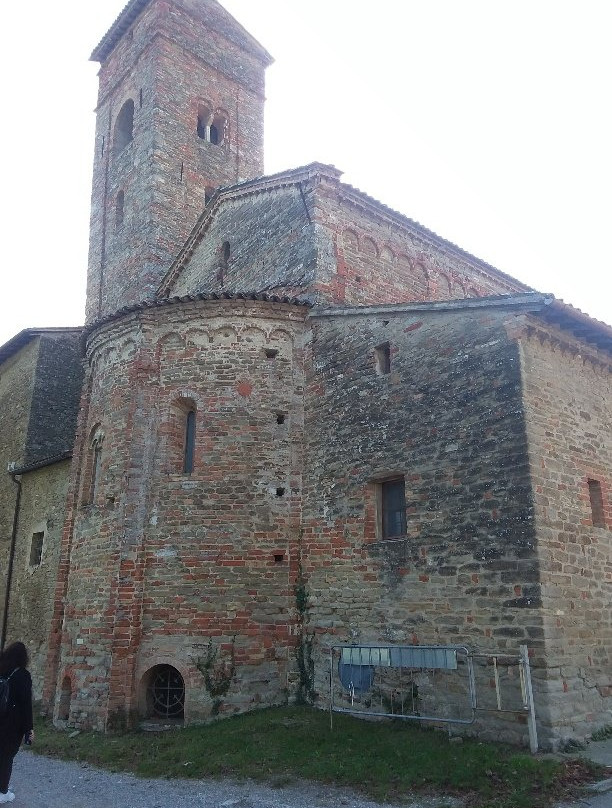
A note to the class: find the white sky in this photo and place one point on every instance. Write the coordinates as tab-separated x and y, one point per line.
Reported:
488	121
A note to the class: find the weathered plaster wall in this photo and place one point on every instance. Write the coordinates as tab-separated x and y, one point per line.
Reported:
448	418
164	563
568	404
16	385
43	505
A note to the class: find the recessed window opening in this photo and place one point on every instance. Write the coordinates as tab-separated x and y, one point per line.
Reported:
271	353
213	134
281	417
95	473
165	693
393	508
597	505
36	548
189	451
119	208
202	127
226	250
140	98
382	358
280	492
278	558
124	125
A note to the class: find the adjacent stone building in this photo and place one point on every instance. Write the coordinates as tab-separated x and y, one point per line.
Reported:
303	420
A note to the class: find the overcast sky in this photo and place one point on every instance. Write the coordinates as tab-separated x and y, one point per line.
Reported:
486	120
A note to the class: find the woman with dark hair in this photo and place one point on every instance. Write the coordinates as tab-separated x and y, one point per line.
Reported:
16	725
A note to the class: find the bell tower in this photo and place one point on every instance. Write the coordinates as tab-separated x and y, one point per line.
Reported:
180	113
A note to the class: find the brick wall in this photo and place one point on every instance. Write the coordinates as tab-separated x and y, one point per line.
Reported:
162	563
568	415
176	59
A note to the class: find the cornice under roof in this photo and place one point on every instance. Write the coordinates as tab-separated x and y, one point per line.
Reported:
135	8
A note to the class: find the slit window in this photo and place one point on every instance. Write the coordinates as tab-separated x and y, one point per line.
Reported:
393	508
36	549
189	451
119	209
95	471
382	359
597	505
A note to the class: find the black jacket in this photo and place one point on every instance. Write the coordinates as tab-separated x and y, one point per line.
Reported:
18	722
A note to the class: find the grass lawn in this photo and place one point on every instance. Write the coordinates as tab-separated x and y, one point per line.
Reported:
384	760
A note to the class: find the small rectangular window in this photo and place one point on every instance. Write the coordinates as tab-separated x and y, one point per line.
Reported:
382	358
597	506
36	549
393	508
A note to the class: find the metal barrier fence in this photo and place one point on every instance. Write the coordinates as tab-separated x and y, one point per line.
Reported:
445	684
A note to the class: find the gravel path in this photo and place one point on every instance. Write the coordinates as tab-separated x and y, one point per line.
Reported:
40	782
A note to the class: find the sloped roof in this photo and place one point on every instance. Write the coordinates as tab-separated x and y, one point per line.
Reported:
134	9
544	306
21	339
204	296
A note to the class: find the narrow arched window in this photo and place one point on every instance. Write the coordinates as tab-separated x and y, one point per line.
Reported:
93	468
188	454
124	125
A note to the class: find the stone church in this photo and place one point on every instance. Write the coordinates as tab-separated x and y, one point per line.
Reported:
294	418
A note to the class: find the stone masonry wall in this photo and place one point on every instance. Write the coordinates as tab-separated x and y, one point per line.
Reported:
43	506
168	567
568	404
272	246
169	64
55	398
448	419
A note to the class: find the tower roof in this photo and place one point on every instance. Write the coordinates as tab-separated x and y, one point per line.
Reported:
134	8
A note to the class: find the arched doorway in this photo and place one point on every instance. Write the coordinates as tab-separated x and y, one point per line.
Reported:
165	693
